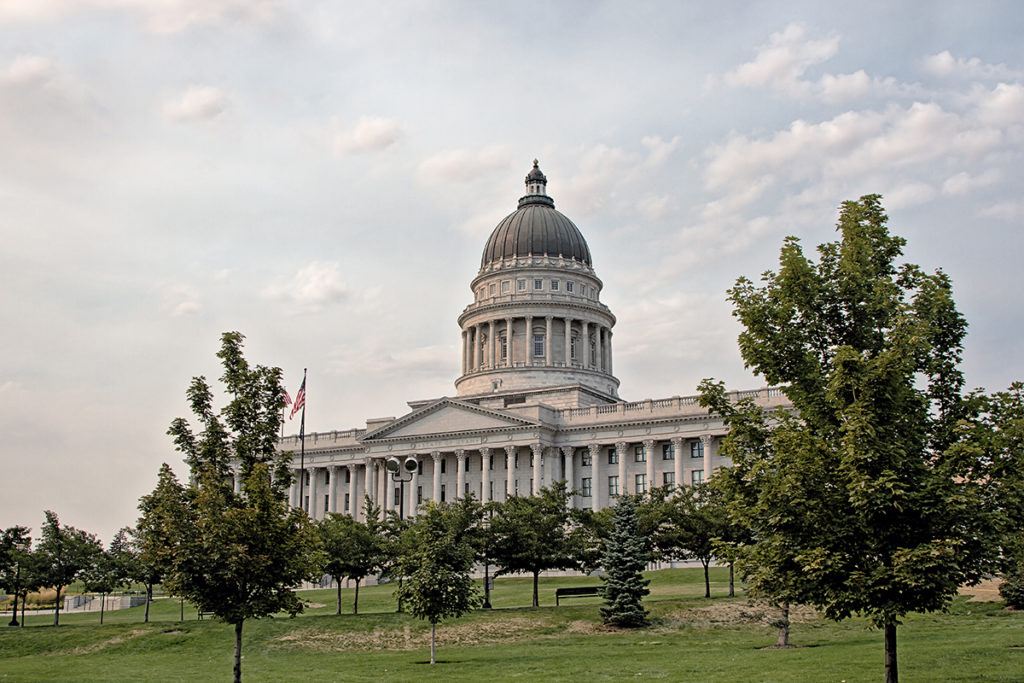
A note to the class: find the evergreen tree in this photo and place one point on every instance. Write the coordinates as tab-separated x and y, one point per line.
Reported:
624	560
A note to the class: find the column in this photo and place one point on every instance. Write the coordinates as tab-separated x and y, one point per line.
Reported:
314	491
460	475
569	453
708	441
389	490
568	342
677	464
649	449
353	504
414	484
595	479
548	360
538	450
476	347
332	490
585	338
508	342
236	481
529	340
622	450
369	482
510	471
485	473
491	341
600	357
465	350
608	365
436	493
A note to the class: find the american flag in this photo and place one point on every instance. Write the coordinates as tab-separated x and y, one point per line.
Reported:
287	397
300	399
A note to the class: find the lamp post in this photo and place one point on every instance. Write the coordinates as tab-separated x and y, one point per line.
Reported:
401	472
487	559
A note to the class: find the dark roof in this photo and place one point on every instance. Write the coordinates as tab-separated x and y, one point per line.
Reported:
537	229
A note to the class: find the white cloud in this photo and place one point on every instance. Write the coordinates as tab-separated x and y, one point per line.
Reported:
10	386
659	150
158	16
313	287
29	70
181	300
369	134
944	64
654	207
963	182
197	103
465	165
781	63
909	194
1003	105
1012	210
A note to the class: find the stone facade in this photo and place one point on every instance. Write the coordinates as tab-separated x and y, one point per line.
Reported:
537	401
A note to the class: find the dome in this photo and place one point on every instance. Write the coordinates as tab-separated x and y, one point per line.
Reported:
536	229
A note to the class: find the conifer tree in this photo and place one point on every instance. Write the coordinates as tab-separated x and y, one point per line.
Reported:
625	557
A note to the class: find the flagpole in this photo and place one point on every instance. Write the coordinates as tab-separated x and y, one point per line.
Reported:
302	449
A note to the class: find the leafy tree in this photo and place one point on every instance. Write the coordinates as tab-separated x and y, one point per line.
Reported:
155	538
64	554
533	534
857	490
625	557
351	549
241	555
436	565
108	570
15	548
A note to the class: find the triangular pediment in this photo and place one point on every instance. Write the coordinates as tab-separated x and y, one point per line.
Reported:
447	416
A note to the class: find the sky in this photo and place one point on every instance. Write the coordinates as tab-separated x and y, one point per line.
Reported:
322	177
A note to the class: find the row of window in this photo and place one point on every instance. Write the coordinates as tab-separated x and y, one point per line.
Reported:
524	285
538	347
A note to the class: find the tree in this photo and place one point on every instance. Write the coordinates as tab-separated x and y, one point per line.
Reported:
533	534
108	570
64	554
351	549
436	565
857	488
155	538
239	555
15	547
625	557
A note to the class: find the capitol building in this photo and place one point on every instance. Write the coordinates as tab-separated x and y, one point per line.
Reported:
537	401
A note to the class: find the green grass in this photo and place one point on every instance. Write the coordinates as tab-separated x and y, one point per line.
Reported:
692	639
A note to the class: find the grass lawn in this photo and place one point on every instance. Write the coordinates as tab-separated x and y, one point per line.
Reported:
693	639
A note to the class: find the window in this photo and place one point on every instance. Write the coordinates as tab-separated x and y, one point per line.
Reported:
506	286
516	488
442	493
613	457
593	352
444	467
583	290
503	343
538	284
466	492
641	484
419	495
348	502
465	464
668	479
490	462
668	452
348	476
493	289
419	467
639	454
327	477
515	461
490	491
696	449
613	486
305	503
697	476
327	500
573	347
585	457
568	286
398	495
481	293
538	345
585	487
554	285
520	285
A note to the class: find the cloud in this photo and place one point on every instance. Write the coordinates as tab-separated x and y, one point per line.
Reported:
781	63
29	70
963	183
465	165
944	64
1012	210
197	103
181	300
157	16
909	194
313	287
1003	105
369	134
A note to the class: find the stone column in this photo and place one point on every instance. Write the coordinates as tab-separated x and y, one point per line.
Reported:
314	491
491	341
460	475
389	491
485	473
568	342
649	445
538	450
236	481
369	481
548	360
508	342
585	338
414	484
600	348
436	493
510	471
708	442
595	479
353	504
529	340
611	368
569	453
332	488
293	491
465	351
622	450
677	464
476	347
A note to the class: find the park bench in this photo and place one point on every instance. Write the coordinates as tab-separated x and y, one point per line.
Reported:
577	592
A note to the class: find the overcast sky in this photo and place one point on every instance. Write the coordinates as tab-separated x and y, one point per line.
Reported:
322	176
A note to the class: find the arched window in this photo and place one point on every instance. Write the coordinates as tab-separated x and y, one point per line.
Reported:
574	347
503	342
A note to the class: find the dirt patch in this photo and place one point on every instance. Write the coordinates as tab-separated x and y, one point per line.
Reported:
315	605
109	642
738	613
986	591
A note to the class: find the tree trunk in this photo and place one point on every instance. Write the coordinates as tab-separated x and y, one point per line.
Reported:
24	601
707	579
149	599
355	601
536	580
56	608
181	615
433	643
14	612
337	582
783	640
732	581
892	674
399	593
103	605
238	652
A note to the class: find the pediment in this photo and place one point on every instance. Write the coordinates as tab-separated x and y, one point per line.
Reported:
447	416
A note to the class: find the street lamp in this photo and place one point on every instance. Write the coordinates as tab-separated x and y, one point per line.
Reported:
401	472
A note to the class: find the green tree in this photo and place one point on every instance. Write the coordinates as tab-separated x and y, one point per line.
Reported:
15	548
351	549
533	533
436	564
64	553
858	485
240	555
625	557
155	538
108	571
